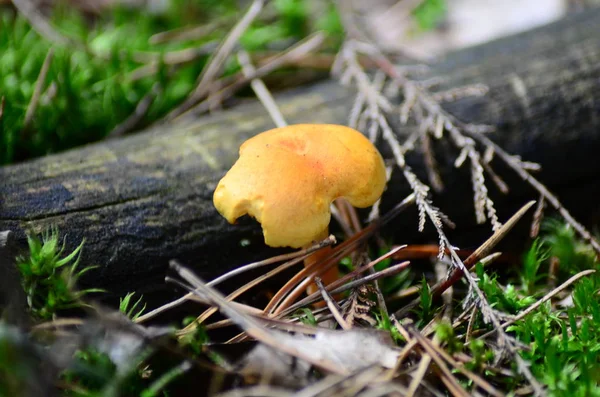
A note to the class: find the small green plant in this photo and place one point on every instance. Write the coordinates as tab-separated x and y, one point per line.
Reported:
129	310
480	354
196	340
91	370
429	13
306	316
18	366
384	323
94	373
564	342
396	282
537	254
573	254
507	299
426	302
445	334
49	275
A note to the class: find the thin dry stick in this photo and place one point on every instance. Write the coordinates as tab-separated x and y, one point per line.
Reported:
289	325
537	218
499	182
280	258
289	56
479	381
189	33
413	342
218	60
138	114
389	272
261	90
360	381
31	12
357	227
433	352
470	324
433	174
337	215
440	272
419	374
441	269
37	90
58	323
264	390
334	383
209	312
170	58
174	57
250	325
332	305
406	350
461	318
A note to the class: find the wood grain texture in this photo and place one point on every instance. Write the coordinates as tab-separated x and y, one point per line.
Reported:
142	200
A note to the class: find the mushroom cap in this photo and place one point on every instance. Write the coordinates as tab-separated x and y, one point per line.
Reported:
286	178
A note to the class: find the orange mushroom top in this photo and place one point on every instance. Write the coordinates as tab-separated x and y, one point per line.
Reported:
286	178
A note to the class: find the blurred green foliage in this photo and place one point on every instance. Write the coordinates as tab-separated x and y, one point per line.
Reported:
93	87
429	13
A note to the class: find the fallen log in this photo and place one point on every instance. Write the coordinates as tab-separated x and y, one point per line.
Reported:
145	199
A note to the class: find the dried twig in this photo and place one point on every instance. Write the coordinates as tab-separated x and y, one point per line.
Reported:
288	56
138	114
215	65
38	21
250	325
433	351
188	33
297	256
37	90
390	271
537	218
261	90
333	307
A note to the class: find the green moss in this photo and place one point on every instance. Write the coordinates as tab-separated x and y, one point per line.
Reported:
49	275
95	86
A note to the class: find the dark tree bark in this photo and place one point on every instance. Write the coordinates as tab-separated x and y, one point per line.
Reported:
145	199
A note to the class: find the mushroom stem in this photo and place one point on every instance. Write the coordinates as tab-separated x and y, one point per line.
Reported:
319	256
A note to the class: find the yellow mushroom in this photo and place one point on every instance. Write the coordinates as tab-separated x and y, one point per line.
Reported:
286	178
